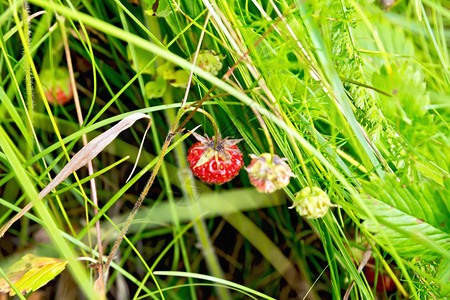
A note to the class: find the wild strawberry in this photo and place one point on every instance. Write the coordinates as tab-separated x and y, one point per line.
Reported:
217	165
268	173
56	84
312	203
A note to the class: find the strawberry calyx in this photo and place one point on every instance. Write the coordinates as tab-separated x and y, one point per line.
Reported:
222	149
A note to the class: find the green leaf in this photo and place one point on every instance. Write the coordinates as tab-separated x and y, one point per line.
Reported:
156	88
444	277
174	76
414	218
32	272
207	205
158	8
410	99
391	37
180	79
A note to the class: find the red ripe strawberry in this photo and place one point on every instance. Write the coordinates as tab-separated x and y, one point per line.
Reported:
218	165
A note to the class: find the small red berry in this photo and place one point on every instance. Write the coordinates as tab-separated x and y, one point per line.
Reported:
217	165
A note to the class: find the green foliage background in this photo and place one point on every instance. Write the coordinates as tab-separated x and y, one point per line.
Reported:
354	94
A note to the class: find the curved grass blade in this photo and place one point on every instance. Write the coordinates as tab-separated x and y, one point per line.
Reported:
214	279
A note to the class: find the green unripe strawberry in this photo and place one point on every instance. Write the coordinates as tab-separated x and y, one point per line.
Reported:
57	86
312	203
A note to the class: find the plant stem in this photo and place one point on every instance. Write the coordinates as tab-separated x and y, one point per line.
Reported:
189	191
137	205
147	187
266	133
208	115
297	151
61	21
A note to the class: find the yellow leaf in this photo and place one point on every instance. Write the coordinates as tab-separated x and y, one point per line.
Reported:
32	272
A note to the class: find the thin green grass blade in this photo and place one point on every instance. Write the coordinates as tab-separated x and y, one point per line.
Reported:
63	247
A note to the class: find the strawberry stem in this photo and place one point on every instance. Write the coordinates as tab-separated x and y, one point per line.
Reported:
298	153
216	129
266	133
138	203
200	110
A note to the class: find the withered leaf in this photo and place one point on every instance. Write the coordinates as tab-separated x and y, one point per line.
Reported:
32	272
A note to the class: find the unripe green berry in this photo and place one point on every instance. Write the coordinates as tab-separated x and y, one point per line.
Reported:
312	203
57	85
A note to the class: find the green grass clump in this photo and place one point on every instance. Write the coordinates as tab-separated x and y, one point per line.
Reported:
353	94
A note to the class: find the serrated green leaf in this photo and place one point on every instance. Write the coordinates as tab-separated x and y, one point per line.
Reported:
31	273
410	100
392	38
425	202
414	218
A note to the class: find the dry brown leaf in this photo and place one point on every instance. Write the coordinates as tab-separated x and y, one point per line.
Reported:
99	288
